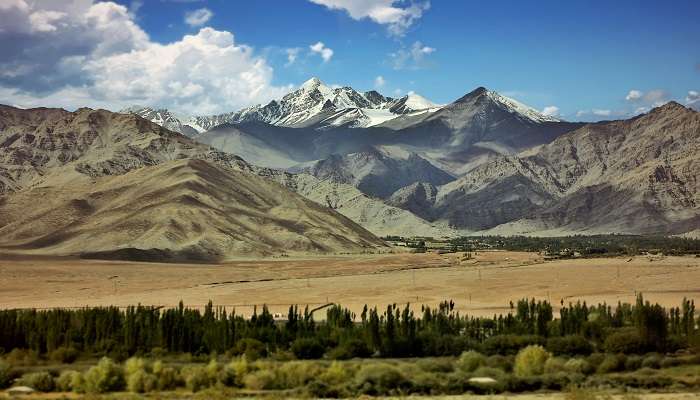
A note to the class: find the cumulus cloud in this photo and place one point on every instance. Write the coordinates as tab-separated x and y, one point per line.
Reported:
654	98
198	17
397	15
379	82
321	49
551	111
81	53
633	95
596	112
292	55
693	99
413	57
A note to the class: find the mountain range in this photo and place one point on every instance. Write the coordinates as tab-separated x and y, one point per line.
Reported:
329	169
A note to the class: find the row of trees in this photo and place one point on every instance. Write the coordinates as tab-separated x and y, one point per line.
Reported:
395	331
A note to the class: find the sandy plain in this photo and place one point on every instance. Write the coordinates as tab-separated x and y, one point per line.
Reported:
483	285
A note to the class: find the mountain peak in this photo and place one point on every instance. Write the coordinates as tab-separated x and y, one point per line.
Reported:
312	83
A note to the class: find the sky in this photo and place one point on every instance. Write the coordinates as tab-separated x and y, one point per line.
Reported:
579	60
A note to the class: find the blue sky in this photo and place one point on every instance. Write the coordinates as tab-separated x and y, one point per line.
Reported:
585	60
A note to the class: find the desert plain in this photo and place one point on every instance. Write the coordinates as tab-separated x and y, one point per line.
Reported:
482	286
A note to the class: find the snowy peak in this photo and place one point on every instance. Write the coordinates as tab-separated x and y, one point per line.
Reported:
486	96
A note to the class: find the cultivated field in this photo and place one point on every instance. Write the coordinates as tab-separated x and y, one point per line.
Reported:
483	285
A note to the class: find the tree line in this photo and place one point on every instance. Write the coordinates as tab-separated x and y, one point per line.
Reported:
397	331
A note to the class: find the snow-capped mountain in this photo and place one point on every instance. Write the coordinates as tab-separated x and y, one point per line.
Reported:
314	104
164	118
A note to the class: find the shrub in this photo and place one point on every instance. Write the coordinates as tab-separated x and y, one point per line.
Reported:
633	362
569	345
595	360
307	348
443	365
554	365
380	379
141	382
612	363
470	361
577	393
22	357
510	344
350	349
69	381
530	361
668	362
167	376
578	365
624	341
41	381
264	379
495	373
64	355
104	377
252	349
503	362
196	378
336	374
134	365
5	374
296	374
652	360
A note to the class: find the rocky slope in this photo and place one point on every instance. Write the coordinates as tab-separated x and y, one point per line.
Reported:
94	173
376	171
638	176
175	211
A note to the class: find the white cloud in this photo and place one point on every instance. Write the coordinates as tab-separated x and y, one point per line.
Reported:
633	95
601	113
397	15
655	98
321	49
379	82
597	112
74	54
551	111
413	57
292	55
198	17
693	99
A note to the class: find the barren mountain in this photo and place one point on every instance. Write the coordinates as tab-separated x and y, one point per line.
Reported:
126	182
639	176
376	171
178	210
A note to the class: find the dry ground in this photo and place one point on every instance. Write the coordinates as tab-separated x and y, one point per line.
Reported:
482	286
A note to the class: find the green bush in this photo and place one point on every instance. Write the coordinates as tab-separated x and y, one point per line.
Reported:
22	358
530	361
40	381
554	365
141	381
264	379
64	355
196	378
652	360
498	361
578	365
69	381
104	377
442	365
612	363
307	348
626	341
380	379
252	349
569	345
295	374
336	374
353	348
510	344
167	377
633	362
469	361
5	374
134	365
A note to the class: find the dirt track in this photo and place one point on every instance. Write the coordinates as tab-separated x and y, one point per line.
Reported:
482	286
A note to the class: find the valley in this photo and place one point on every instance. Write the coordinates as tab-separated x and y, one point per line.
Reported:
482	286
